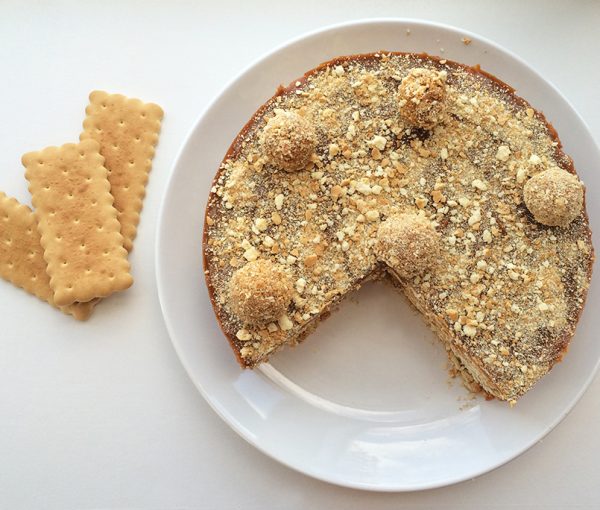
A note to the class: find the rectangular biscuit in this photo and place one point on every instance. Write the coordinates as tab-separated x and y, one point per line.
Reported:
78	225
127	131
21	256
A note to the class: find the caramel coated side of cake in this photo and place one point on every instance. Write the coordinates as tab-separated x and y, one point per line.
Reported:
437	147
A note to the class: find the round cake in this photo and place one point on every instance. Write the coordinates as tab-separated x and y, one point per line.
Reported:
414	168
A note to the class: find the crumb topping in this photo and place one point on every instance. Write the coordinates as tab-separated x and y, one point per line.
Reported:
506	290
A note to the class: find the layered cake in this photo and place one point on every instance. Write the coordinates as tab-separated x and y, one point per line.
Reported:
402	166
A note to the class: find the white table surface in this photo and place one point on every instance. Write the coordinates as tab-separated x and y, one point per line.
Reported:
101	414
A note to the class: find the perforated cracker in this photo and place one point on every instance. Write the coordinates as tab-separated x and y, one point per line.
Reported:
21	256
127	130
79	229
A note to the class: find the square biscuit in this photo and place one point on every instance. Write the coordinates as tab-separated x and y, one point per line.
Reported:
78	225
127	131
21	256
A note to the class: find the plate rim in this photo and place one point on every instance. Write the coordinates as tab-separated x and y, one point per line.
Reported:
233	424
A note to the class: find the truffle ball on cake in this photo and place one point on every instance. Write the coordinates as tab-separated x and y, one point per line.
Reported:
260	292
408	243
554	197
289	141
422	97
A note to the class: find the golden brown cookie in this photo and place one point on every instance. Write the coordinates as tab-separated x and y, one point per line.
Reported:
21	256
79	229
127	131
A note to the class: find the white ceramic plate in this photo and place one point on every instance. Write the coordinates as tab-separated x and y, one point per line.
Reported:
365	402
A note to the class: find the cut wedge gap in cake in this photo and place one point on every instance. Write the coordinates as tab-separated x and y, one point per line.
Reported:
374	353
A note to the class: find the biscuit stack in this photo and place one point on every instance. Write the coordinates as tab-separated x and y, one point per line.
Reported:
72	250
